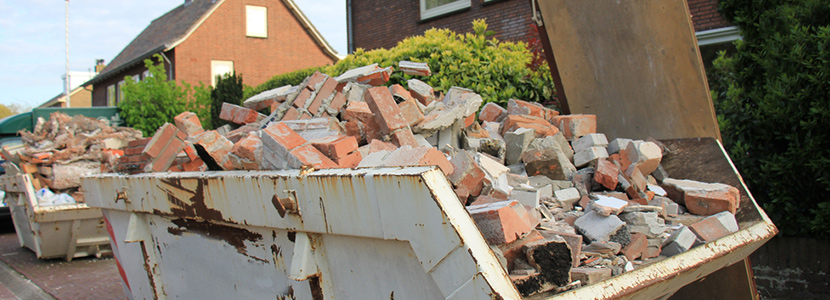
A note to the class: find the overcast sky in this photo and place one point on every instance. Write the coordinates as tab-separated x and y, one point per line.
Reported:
32	44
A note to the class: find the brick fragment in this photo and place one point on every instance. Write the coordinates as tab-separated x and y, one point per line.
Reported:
421	91
351	160
411	112
386	112
513	250
519	107
418	156
715	226
589	275
597	227
303	99
216	145
607	206
249	148
188	123
635	247
550	162
269	98
467	173
499	222
377	77
336	146
310	156
161	138
403	137
337	104
646	155
703	198
576	126
589	156
540	126
414	68
606	174
291	114
239	115
552	257
323	93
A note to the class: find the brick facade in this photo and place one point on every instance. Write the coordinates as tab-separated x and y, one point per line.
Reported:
382	24
222	36
705	15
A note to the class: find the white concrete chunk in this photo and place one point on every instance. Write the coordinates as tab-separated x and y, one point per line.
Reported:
590	140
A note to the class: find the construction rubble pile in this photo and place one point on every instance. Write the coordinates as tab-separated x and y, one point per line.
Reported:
560	205
61	150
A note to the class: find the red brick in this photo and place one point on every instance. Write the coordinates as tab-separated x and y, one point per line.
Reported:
636	178
358	111
386	112
418	156
463	194
576	126
376	78
310	156
227	112
513	250
607	174
492	112
291	114
194	166
398	91
248	147
500	223
466	173
325	91
706	203
190	151
351	160
315	79
519	107
246	115
470	120
302	98
283	135
337	103
411	112
133	150
159	142
274	106
635	247
425	98
541	127
139	142
336	146
404	137
216	145
189	123
165	159
378	145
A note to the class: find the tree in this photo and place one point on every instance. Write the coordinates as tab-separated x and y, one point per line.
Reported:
5	111
153	101
228	89
773	103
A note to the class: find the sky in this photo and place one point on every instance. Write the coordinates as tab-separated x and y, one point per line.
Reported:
33	44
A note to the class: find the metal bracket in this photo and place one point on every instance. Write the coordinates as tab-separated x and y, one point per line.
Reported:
122	195
287	205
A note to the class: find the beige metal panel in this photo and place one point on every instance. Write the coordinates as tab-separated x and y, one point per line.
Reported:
635	64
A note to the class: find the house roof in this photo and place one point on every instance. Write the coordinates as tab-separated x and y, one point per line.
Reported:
174	27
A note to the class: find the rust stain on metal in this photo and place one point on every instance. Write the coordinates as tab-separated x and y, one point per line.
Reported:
316	287
234	236
147	269
197	208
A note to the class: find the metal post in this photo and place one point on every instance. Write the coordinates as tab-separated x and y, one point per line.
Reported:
67	57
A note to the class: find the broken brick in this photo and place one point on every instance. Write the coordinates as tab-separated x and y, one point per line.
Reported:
336	146
386	112
492	112
418	156
499	222
188	123
576	126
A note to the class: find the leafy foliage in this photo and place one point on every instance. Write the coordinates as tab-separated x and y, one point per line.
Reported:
228	89
151	102
496	70
773	103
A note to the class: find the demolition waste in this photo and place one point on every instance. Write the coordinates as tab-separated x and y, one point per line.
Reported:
559	204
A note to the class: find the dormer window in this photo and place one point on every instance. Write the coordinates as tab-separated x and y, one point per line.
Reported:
256	19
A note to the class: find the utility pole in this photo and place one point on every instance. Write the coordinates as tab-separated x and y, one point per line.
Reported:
67	56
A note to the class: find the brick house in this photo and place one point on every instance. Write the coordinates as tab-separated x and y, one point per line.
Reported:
382	24
204	38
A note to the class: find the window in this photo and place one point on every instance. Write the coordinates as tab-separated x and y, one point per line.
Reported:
136	78
219	68
120	92
434	8
146	74
111	95
256	19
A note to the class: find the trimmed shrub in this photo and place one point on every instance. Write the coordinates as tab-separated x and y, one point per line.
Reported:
773	103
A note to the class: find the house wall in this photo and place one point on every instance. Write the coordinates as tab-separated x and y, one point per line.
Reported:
381	24
705	15
223	37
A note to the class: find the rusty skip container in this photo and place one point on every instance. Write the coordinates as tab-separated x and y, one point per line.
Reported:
58	231
385	233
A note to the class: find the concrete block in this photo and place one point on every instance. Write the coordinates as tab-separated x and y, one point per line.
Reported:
516	143
669	207
646	155
681	240
353	74
590	140
647	223
597	227
589	156
607	206
67	176
374	159
568	195
617	144
530	196
499	222
267	98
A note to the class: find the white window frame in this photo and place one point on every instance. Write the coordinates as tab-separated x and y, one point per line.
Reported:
256	21
215	64
443	9
146	74
111	101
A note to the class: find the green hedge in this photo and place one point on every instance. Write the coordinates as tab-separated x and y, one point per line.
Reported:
773	103
496	70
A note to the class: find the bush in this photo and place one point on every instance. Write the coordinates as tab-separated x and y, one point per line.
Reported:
773	103
496	70
151	102
228	89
